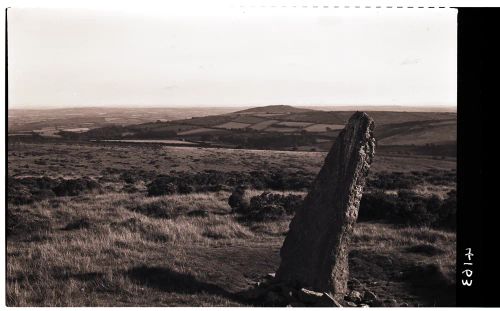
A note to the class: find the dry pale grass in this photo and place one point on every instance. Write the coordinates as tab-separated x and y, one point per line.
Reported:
430	190
393	240
115	254
58	267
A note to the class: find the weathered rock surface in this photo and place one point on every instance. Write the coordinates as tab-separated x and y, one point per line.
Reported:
239	199
314	254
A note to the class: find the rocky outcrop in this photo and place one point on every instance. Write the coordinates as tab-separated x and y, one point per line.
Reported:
314	254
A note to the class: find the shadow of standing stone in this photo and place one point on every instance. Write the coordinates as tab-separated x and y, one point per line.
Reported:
315	252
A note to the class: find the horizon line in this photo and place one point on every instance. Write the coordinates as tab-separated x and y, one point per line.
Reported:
434	106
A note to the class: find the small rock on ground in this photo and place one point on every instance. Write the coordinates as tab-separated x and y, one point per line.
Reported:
309	296
354	296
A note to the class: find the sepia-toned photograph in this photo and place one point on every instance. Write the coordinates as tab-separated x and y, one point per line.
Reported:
249	157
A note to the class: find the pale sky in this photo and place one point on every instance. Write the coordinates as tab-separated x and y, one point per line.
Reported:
78	58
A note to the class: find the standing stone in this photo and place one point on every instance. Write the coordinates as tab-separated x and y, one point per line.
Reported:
315	251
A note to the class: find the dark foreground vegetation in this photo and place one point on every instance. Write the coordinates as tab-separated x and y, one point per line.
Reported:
389	197
132	226
408	208
30	189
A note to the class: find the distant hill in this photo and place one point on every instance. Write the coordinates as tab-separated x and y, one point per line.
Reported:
435	108
273	109
289	128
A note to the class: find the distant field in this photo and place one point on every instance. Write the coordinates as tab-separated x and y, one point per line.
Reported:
267	114
48	132
425	133
233	125
196	131
324	127
77	129
282	129
36	119
271	127
263	125
295	124
249	119
151	141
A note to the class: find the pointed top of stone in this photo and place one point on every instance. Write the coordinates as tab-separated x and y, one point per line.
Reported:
315	250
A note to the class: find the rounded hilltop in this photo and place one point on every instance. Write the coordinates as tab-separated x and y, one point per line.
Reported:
274	109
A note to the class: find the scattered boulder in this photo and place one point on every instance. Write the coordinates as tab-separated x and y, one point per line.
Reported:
239	199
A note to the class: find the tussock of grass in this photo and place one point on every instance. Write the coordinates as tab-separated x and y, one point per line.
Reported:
228	230
410	251
172	206
427	249
272	228
398	236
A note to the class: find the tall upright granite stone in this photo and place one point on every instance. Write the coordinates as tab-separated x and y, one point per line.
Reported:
315	251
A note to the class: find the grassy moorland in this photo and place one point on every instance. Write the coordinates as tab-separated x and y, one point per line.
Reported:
109	242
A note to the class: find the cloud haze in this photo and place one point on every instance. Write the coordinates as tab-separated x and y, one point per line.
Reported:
75	58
